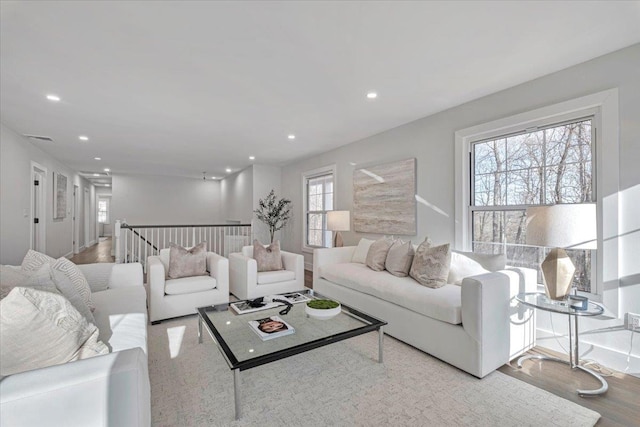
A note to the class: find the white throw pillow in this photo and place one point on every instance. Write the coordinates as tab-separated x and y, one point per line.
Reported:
463	266
11	277
33	260
77	278
360	254
40	329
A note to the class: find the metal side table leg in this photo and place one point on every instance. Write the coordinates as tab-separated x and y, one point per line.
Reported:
380	342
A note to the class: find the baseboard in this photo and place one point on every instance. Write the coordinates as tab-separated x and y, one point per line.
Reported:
91	243
69	255
308	266
106	235
81	248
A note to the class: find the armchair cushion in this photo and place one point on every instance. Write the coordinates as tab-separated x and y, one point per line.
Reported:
268	258
188	285
187	262
266	277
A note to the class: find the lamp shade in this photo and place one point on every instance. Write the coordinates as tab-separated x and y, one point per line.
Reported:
562	226
338	221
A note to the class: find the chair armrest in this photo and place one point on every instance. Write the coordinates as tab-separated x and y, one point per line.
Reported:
218	267
330	256
156	280
243	274
293	262
112	389
126	275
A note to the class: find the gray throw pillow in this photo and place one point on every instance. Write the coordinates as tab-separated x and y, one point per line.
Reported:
268	258
431	265
400	258
66	287
187	262
37	279
377	254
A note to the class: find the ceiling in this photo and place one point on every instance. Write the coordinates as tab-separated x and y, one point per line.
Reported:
177	88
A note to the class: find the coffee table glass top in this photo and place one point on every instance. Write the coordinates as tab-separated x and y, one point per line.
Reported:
243	349
541	301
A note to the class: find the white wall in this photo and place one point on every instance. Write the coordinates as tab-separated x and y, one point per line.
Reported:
236	196
431	141
164	200
16	155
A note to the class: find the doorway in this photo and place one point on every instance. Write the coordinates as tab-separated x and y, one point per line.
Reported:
87	218
75	230
38	208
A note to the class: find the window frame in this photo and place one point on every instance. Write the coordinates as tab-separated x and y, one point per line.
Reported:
604	107
306	176
108	203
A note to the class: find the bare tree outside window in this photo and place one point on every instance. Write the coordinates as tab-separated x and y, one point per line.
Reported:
540	167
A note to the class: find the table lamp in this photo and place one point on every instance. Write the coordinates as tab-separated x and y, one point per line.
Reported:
570	226
338	221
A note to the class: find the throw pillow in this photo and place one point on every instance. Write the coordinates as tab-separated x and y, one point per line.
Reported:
66	287
12	277
399	258
361	251
33	260
377	254
40	329
77	278
463	266
268	258
431	265
187	262
492	262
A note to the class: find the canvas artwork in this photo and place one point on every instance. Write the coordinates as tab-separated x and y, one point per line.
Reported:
384	198
59	196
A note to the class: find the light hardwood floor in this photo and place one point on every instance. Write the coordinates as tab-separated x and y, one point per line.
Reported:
96	253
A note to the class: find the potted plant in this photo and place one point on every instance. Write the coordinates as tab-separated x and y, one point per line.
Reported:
322	309
273	212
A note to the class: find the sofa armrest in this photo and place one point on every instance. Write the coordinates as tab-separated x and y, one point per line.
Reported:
243	274
108	390
126	275
330	256
218	267
293	262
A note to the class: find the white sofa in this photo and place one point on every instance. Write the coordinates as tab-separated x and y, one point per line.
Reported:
247	283
180	297
108	390
476	327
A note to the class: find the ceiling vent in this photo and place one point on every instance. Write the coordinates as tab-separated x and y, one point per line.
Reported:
39	137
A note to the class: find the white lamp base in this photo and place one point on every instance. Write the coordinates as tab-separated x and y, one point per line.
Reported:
557	271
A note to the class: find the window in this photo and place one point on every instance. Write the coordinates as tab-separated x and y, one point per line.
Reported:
103	211
319	198
538	166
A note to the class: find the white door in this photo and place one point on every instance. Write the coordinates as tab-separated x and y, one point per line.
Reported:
38	206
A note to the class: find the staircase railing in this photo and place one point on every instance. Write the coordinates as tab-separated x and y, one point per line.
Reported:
135	243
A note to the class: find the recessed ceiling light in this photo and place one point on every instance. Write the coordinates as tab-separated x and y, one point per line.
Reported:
108	185
252	157
96	174
83	138
228	170
291	136
213	177
372	95
97	158
52	97
107	170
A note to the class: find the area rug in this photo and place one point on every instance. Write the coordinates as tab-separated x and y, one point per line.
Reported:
339	385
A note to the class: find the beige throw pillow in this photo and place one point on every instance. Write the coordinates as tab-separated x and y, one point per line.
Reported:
33	260
268	258
187	262
430	265
399	258
12	278
361	251
40	329
377	254
77	278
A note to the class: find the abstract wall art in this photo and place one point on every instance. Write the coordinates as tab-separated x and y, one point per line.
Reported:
59	196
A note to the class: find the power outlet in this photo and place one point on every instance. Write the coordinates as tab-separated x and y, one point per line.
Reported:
632	321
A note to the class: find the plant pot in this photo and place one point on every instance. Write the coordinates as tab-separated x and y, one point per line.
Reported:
322	314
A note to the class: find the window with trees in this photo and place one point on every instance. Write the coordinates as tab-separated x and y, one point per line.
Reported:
540	166
319	189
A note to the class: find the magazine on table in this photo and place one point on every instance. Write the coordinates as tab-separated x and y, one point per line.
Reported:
271	327
250	306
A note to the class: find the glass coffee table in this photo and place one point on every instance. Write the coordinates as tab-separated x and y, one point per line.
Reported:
243	349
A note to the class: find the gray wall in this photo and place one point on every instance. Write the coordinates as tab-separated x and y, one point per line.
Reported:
164	200
16	155
431	141
236	196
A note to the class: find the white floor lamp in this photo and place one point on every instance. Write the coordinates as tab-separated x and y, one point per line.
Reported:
338	221
561	227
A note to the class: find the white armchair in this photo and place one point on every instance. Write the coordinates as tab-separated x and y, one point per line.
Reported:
178	297
247	283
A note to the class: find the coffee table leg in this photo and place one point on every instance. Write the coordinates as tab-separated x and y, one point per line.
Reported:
236	391
380	339
199	330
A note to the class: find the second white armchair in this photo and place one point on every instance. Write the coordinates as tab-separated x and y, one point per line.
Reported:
246	283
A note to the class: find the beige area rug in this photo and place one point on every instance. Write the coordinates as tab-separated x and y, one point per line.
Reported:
339	385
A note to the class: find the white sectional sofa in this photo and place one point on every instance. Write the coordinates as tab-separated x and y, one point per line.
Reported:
107	390
476	327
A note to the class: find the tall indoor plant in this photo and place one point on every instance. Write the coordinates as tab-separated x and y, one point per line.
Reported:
274	212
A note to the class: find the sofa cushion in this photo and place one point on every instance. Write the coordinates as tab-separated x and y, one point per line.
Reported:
266	277
377	254
189	285
431	265
442	304
187	262
399	258
267	258
40	329
121	317
361	251
463	266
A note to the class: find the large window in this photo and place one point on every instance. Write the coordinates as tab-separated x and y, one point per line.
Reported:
538	166
103	211
319	198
